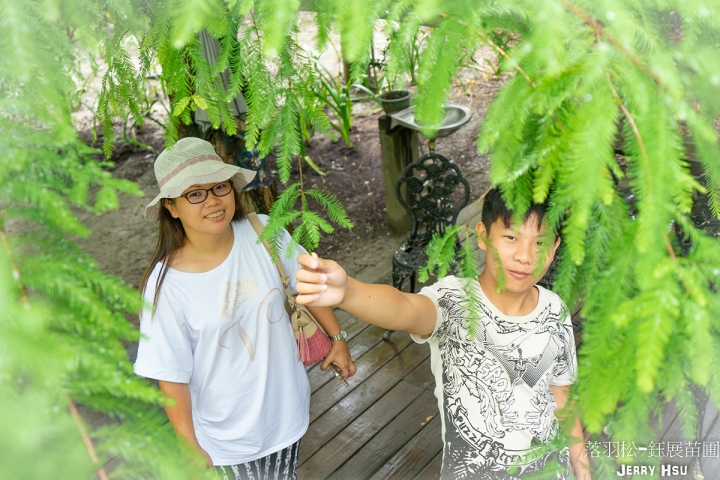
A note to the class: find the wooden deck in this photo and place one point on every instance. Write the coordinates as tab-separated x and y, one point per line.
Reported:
385	424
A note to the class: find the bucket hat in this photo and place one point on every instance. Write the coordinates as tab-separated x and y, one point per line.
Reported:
191	161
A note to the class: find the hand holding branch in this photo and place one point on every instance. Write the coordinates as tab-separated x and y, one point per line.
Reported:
321	283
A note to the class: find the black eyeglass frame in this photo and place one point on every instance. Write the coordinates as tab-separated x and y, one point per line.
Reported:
207	192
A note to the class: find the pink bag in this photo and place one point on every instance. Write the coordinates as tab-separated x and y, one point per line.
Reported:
313	342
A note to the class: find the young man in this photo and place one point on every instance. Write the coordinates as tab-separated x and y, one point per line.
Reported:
499	391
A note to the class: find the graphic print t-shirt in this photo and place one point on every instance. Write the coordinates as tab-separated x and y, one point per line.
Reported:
226	333
493	391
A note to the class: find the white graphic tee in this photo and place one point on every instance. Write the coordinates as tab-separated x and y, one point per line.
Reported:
493	391
226	333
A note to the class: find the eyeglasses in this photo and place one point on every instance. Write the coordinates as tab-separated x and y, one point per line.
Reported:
201	194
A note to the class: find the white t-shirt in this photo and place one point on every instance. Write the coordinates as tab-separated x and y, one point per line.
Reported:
226	333
494	391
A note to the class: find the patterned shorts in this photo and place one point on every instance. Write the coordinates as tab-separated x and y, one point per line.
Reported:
280	465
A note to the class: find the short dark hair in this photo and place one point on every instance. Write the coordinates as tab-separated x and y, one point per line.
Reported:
494	207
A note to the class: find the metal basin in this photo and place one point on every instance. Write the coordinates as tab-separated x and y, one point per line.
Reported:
455	117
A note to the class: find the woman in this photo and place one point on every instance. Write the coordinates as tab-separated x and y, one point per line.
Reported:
219	339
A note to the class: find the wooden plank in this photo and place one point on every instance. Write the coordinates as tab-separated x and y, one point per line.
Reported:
422	376
674	433
345	411
374	454
410	460
711	433
371	337
671	430
110	466
379	273
356	343
330	393
666	420
432	469
471	213
711	419
334	453
341	315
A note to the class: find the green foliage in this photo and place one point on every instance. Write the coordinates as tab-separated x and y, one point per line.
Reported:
335	94
456	251
64	326
582	79
281	89
307	228
39	432
356	22
441	252
590	77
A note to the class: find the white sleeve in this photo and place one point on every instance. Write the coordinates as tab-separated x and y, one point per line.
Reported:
165	351
432	293
565	369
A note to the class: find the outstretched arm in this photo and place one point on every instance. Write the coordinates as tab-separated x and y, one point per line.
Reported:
325	283
578	459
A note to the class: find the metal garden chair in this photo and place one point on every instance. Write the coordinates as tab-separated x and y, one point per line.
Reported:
436	192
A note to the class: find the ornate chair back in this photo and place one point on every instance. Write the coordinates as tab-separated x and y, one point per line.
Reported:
436	192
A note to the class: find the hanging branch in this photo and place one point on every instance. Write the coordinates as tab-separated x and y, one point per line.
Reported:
504	54
302	185
86	438
71	405
638	137
600	30
15	271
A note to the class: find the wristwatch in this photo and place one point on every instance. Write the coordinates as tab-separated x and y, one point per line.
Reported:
340	336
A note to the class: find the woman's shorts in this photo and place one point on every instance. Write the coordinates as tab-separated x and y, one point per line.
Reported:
276	466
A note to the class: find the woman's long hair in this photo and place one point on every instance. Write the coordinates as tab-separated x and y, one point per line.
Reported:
171	237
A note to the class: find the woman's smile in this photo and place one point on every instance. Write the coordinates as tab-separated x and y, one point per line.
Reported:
215	215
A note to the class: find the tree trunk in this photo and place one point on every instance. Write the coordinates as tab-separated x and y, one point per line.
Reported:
260	194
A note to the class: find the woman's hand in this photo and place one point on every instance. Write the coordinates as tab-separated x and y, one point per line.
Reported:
180	415
340	356
207	457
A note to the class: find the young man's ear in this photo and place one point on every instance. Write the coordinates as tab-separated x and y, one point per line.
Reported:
482	234
554	248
